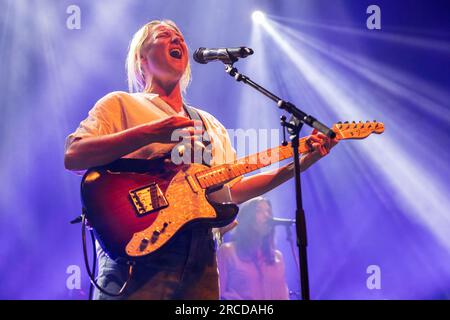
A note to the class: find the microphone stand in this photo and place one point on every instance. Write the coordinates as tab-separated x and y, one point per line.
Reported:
293	126
291	244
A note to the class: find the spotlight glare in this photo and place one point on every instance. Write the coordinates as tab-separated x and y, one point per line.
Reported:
258	17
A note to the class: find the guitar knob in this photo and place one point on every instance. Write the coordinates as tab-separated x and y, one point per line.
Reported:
154	236
144	244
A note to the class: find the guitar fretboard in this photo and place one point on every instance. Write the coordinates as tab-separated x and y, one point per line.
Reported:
221	174
224	173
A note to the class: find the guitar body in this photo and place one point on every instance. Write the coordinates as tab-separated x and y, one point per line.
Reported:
136	206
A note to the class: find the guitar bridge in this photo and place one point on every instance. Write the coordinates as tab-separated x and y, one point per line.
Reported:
147	199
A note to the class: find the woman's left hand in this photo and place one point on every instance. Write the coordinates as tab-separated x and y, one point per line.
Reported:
320	143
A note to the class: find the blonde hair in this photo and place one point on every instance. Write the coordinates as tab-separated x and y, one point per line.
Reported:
135	73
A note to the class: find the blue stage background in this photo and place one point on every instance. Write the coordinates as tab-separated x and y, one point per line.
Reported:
378	202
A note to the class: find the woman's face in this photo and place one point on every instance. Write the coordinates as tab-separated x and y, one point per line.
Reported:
165	55
263	215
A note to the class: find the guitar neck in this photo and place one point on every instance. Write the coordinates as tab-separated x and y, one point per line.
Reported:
223	173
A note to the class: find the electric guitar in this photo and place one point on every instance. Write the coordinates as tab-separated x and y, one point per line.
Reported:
136	206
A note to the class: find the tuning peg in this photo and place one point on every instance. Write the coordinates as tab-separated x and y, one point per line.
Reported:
346	122
353	122
374	120
367	121
339	122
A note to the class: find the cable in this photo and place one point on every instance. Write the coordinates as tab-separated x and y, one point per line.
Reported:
92	274
94	264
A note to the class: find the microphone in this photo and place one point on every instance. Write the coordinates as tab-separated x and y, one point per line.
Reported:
226	55
281	222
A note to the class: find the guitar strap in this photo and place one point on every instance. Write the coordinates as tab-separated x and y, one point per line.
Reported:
195	115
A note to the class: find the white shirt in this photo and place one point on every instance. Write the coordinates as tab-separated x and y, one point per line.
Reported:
118	111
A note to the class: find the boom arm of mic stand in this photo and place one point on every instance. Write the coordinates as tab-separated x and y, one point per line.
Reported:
287	106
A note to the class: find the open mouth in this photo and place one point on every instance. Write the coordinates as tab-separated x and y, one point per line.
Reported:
175	53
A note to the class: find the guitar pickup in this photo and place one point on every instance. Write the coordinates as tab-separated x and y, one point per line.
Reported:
148	199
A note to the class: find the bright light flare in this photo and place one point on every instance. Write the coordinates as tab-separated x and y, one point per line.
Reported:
258	17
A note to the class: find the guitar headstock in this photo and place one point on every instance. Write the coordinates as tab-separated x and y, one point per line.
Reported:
360	130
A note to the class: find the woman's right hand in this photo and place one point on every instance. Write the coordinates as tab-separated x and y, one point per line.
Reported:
85	153
164	130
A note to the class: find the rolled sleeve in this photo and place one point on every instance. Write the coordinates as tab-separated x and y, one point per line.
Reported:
102	119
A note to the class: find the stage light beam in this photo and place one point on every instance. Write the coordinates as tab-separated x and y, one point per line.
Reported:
404	175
